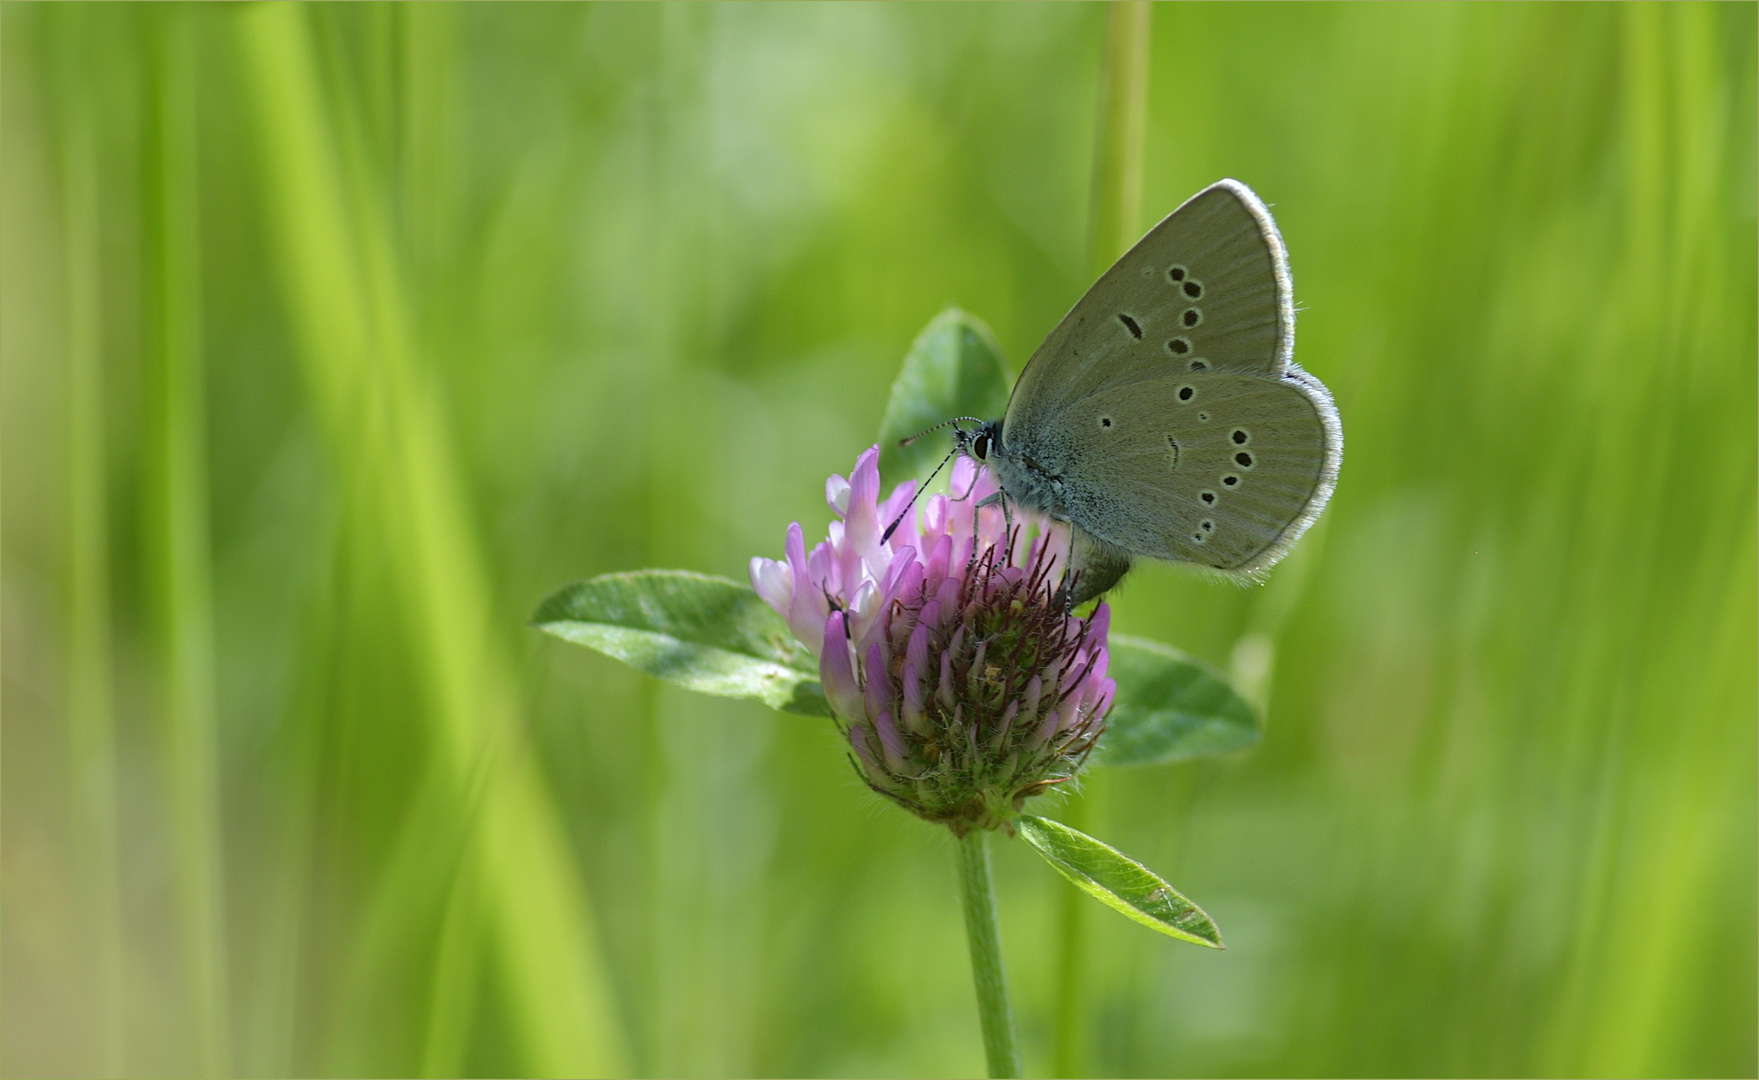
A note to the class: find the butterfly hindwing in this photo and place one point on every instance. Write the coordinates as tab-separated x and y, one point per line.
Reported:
1214	468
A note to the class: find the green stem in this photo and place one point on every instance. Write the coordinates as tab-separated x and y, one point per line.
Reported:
1116	200
1114	214
379	401
993	1010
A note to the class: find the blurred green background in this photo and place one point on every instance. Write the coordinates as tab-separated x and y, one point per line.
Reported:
337	336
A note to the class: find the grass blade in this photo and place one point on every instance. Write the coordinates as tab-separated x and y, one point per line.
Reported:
385	424
174	508
91	719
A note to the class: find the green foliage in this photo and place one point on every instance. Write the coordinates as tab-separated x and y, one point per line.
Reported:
531	293
715	636
1170	708
954	368
1118	881
703	633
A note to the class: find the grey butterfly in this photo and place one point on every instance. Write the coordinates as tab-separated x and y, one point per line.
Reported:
1164	416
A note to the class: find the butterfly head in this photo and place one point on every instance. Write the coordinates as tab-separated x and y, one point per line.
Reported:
975	443
978	442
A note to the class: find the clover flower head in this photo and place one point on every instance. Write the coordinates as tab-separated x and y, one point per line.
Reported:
963	685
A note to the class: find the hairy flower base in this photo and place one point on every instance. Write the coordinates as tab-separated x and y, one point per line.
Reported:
990	676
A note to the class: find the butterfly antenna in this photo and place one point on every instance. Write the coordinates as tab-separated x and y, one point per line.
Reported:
930	431
899	520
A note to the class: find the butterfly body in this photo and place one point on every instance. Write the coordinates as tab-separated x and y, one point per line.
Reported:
1164	417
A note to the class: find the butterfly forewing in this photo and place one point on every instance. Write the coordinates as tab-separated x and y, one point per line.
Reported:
1206	289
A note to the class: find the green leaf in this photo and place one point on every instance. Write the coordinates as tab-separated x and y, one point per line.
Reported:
1170	707
703	633
955	368
1118	881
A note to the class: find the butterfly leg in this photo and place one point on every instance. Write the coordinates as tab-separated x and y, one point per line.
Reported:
987	500
1094	567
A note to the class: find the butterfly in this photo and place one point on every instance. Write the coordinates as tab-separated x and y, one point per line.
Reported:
1165	417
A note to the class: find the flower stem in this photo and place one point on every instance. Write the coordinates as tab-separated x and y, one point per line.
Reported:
993	1010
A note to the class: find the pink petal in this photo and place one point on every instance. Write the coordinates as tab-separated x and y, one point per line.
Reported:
890	510
1108	692
877	694
773	582
837	673
913	699
837	494
858	738
940	559
930	615
1099	623
1100	661
890	741
947	596
1034	690
1048	726
864	609
916	653
807	606
861	523
934	517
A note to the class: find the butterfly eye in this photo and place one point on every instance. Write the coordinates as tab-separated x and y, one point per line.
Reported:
980	447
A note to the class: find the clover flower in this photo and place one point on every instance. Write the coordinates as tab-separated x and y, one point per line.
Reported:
963	686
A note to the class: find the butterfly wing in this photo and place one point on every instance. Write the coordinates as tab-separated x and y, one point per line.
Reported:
1166	404
1206	289
1211	467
